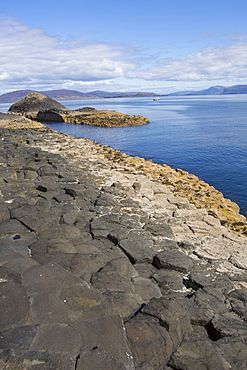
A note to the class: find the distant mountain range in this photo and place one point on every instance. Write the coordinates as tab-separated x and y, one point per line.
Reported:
62	94
214	90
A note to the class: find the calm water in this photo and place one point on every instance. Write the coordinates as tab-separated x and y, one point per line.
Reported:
205	136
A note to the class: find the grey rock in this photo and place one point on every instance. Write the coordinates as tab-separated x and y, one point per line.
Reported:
70	217
14	306
197	354
95	253
57	337
145	269
150	342
211	298
169	280
199	312
122	303
81	301
26	210
238	301
68	231
228	325
174	260
172	316
99	228
206	277
29	360
98	359
60	245
17	264
32	218
146	288
118	233
105	199
4	212
160	229
234	351
48	170
108	334
12	227
34	102
48	308
18	338
13	277
115	275
50	278
138	246
76	263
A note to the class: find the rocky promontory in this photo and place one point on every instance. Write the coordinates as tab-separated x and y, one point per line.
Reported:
41	108
104	267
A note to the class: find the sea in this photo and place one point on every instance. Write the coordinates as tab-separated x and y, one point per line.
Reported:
204	135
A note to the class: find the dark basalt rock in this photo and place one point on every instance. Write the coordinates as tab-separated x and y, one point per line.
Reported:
174	260
89	279
85	109
13	359
35	102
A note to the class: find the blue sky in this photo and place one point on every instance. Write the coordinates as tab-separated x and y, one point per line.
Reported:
160	46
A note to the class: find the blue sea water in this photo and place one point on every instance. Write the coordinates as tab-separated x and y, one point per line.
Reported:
204	135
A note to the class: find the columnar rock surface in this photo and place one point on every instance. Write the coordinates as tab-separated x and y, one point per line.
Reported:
103	268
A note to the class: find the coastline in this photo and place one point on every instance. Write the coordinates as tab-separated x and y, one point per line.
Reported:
180	182
102	264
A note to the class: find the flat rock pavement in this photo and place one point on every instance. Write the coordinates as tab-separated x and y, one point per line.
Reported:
101	268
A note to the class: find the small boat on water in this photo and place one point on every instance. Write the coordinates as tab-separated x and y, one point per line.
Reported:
156	99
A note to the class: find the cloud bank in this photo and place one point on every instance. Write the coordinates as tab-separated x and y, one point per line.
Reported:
213	63
29	58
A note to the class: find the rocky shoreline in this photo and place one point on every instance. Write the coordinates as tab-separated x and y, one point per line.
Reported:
104	266
41	108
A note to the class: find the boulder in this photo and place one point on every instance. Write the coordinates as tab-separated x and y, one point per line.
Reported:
174	260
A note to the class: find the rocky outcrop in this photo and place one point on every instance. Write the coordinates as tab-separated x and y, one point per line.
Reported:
33	103
184	184
41	108
102	118
102	267
180	182
15	121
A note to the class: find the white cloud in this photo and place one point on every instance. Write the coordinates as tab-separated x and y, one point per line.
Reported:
226	63
31	57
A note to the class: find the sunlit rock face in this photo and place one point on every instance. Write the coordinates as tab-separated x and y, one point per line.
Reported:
102	118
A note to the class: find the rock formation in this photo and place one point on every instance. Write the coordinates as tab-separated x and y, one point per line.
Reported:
102	118
104	268
187	185
33	103
38	107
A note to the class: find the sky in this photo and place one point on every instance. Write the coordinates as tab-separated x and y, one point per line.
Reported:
132	45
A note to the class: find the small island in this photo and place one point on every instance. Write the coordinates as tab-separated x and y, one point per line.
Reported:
41	108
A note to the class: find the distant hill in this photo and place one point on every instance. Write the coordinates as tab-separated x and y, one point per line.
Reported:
63	94
214	90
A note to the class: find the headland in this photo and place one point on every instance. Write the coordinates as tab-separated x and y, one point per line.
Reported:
39	107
